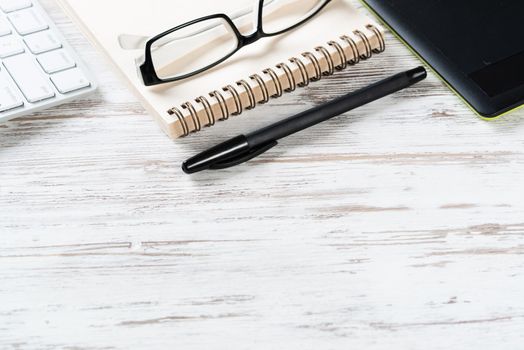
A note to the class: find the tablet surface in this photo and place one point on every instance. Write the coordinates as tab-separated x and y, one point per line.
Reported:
477	47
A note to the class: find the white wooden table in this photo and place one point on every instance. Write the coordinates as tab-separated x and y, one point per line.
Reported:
397	226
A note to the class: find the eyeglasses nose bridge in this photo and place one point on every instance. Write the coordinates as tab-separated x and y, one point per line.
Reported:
250	39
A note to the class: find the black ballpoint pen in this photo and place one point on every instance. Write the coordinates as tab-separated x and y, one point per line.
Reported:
246	147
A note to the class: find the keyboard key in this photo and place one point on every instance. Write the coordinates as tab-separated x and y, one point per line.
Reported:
27	21
10	45
14	5
5	27
29	77
55	61
70	80
10	96
42	42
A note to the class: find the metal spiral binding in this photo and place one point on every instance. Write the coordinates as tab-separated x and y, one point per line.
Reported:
180	117
329	60
303	71
367	44
354	49
217	95
250	93
322	51
316	64
289	75
341	53
263	87
380	38
278	84
194	115
209	110
236	97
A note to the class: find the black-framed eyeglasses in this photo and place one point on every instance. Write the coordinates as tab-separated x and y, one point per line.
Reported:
199	45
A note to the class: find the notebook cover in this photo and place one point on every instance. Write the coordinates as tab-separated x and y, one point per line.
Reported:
104	21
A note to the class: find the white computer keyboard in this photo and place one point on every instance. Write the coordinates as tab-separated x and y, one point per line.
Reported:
38	69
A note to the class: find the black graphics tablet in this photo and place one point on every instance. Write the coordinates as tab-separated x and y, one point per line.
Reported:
477	46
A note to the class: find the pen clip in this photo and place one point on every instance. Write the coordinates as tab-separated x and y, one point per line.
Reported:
228	163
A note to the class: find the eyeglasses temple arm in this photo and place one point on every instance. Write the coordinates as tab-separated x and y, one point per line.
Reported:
135	42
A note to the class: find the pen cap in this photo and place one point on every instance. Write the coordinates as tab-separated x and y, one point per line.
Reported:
225	151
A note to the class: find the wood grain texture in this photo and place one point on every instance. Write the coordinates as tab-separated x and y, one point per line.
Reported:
397	226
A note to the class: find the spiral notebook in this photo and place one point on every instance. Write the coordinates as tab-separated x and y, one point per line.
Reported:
336	38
